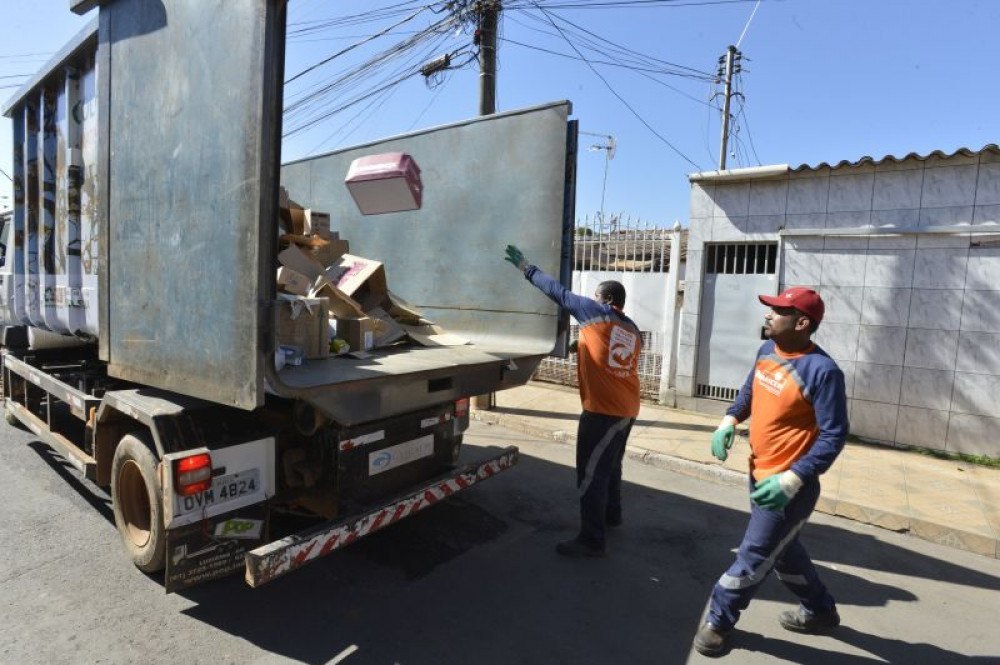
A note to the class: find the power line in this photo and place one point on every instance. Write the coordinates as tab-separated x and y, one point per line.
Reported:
588	37
324	89
354	46
625	4
747	26
746	120
615	93
349	104
639	70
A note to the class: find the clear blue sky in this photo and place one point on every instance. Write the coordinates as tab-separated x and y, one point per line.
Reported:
823	81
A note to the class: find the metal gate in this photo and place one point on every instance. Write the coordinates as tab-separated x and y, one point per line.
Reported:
618	245
731	317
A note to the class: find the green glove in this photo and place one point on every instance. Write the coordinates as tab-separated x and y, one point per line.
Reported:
722	439
774	492
516	258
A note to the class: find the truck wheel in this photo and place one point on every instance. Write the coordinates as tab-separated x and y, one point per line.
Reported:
135	494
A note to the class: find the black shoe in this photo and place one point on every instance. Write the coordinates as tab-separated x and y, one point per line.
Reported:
710	641
577	549
613	521
801	622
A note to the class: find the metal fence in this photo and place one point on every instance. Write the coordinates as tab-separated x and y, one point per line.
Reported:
621	244
618	244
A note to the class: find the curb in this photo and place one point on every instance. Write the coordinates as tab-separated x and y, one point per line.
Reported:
948	536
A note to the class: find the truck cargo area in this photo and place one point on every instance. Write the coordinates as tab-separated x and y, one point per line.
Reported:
154	329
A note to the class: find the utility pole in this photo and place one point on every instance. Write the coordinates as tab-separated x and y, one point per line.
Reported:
731	63
486	39
489	14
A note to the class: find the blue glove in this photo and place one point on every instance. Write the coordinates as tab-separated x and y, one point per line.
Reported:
774	492
516	258
722	439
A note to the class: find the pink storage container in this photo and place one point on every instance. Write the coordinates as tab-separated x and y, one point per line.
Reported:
388	182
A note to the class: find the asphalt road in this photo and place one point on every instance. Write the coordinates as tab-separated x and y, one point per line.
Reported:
476	580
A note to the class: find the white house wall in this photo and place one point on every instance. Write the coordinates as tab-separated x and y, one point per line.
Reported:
646	294
912	294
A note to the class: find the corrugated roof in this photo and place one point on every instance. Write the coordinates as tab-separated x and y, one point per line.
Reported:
867	159
780	170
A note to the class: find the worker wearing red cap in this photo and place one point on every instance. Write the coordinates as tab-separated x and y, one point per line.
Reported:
795	394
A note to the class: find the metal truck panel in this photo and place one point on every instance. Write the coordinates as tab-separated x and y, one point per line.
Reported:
194	124
487	182
147	204
49	276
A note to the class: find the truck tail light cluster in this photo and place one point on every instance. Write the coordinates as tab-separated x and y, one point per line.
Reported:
193	474
462	407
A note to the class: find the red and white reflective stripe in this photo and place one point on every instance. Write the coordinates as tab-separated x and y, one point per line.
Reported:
283	556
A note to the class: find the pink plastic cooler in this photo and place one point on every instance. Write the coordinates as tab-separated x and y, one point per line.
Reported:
389	182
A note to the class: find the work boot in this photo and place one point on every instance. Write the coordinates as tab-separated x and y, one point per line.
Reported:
577	549
801	621
710	641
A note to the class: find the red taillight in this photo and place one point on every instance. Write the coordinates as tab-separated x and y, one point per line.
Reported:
462	407
193	474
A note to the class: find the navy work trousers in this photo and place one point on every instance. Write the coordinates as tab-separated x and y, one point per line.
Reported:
600	447
771	542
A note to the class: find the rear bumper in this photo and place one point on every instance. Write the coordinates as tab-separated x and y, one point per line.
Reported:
273	560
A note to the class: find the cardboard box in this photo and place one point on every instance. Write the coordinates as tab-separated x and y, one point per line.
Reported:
432	335
404	312
328	252
293	282
296	219
316	223
360	278
303	323
389	182
359	332
340	303
386	330
302	263
307	242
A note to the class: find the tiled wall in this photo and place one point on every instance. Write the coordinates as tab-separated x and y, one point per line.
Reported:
913	319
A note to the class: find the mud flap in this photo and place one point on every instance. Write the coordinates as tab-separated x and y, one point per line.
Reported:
214	547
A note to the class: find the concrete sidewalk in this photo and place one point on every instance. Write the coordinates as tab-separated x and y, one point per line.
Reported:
947	502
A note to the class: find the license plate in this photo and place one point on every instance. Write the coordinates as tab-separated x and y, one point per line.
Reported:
403	453
224	489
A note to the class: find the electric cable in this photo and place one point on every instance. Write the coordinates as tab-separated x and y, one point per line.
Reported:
622	99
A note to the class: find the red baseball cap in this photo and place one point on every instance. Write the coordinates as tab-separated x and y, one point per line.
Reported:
805	300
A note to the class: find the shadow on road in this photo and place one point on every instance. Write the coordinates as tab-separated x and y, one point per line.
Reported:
476	580
90	493
882	650
506	597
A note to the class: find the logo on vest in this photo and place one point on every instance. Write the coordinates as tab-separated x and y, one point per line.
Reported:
773	383
621	348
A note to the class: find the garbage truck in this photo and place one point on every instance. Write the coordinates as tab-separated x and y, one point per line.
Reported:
140	308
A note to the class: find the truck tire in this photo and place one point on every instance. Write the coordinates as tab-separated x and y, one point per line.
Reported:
135	495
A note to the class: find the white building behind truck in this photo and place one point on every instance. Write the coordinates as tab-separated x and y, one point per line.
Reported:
906	254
